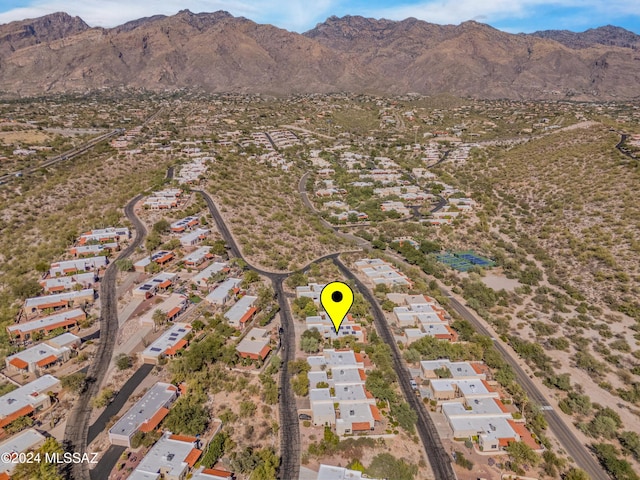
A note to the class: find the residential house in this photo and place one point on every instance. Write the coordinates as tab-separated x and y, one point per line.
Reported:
255	344
171	458
223	292
28	399
168	344
26	440
71	267
241	312
145	415
67	320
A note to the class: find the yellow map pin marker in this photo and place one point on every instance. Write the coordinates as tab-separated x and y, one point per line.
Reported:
336	299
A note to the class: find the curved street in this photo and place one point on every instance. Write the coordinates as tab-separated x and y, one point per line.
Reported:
574	448
77	430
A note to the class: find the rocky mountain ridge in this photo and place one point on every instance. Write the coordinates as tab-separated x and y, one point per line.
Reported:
218	52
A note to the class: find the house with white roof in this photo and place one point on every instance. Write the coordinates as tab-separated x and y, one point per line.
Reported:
69	267
168	344
29	439
171	458
223	292
28	399
67	320
311	291
172	306
329	472
37	359
145	415
198	256
35	305
159	283
72	282
203	278
191	239
241	312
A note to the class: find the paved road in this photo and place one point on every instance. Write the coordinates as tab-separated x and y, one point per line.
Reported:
574	448
118	401
289	425
107	462
571	444
75	435
438	457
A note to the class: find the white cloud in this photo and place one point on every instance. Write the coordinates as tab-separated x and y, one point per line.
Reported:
456	11
294	15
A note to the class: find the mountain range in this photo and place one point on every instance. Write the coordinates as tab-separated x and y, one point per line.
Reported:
218	52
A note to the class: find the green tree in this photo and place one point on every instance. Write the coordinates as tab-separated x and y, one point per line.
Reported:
576	474
159	318
188	416
385	465
124	264
123	361
405	416
247	408
161	226
215	450
74	382
310	341
249	277
297	279
41	470
300	384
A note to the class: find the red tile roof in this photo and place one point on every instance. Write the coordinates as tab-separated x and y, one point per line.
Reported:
360	426
376	413
173	350
47	361
193	456
24	411
155	420
18	362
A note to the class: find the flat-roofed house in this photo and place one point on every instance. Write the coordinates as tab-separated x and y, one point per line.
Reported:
159	283
168	344
29	439
311	291
172	306
58	301
67	320
197	257
37	359
70	267
145	415
356	417
203	278
329	472
93	250
171	458
184	224
28	399
194	238
241	312
61	284
105	235
255	345
223	292
212	474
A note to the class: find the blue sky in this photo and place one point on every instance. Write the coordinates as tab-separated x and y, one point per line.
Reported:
301	15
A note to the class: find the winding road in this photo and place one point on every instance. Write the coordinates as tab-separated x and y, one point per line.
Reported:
438	457
289	425
77	430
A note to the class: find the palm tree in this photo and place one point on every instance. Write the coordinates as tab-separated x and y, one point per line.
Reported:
159	318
